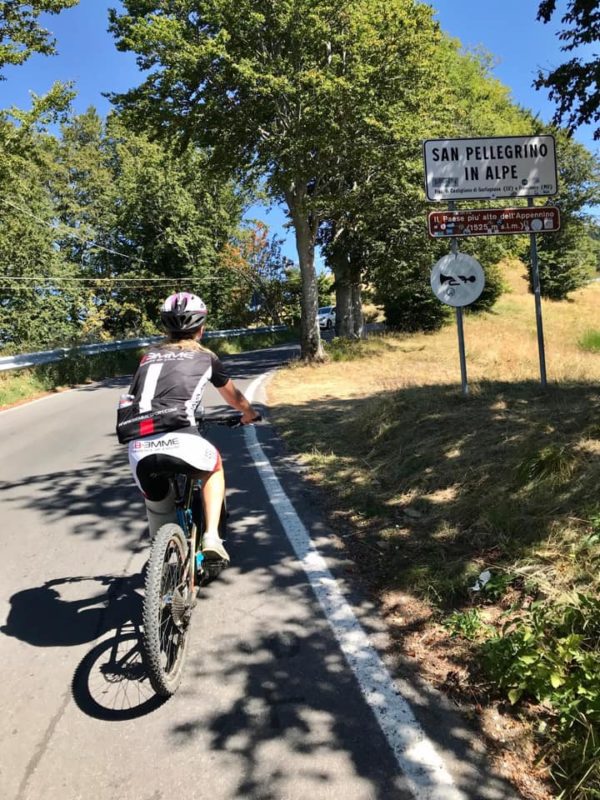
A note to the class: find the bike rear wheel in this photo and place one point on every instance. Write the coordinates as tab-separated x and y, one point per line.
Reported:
168	603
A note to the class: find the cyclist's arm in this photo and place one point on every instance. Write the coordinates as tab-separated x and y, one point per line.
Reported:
236	399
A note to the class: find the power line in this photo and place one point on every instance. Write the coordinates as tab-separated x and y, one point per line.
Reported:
71	232
119	279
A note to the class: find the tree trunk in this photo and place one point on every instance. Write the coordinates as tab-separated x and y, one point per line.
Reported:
343	309
348	297
305	229
357	315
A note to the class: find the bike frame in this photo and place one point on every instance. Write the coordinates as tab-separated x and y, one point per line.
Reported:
184	488
183	505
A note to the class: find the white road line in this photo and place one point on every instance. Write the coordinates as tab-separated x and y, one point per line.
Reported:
422	766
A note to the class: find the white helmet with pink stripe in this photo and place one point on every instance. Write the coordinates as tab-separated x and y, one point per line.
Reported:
183	312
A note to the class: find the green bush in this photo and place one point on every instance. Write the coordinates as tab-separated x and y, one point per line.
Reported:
467	624
551	654
590	341
410	305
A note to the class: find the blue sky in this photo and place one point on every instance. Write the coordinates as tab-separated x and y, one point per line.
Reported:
506	28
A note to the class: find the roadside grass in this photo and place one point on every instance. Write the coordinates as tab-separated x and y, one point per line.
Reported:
256	341
21	385
25	384
429	488
590	341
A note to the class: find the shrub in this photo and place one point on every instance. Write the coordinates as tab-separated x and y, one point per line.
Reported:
551	653
590	341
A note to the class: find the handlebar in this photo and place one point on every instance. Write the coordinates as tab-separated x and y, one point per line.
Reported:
228	420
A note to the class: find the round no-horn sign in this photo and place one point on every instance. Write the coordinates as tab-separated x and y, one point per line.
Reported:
457	279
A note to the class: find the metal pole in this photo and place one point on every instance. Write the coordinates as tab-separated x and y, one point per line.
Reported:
459	323
535	277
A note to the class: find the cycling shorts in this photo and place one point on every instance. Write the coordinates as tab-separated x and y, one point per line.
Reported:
185	450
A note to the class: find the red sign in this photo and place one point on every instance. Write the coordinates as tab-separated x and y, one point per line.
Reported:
494	221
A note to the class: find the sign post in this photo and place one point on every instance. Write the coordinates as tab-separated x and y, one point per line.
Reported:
461	338
458	280
537	292
483	169
486	169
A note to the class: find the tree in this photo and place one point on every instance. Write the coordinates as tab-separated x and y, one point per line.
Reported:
574	85
568	258
141	220
290	92
379	231
261	276
20	31
39	304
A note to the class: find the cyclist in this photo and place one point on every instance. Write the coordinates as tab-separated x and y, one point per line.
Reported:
156	419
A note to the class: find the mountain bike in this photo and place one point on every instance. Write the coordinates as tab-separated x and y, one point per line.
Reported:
176	569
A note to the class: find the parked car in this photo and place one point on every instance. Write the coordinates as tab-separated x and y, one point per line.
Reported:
327	317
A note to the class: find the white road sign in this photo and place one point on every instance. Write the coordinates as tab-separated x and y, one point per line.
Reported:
457	279
479	169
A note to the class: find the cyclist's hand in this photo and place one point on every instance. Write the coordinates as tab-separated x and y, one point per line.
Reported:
250	416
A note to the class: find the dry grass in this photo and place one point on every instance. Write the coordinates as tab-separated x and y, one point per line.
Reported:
445	485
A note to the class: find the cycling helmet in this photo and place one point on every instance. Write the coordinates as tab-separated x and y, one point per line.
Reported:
183	312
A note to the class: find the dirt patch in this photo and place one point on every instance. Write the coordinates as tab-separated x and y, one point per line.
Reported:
447	664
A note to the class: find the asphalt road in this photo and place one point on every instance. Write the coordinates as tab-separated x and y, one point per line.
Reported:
269	707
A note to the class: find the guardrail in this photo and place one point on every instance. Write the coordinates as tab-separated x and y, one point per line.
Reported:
48	356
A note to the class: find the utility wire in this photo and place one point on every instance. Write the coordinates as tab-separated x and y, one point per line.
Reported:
118	279
61	227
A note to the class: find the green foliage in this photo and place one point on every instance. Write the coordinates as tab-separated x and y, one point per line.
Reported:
100	224
553	463
590	341
568	258
573	84
493	289
150	213
407	300
551	653
312	95
342	349
20	31
37	307
466	624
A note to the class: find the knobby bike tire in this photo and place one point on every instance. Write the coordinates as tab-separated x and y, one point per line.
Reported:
164	643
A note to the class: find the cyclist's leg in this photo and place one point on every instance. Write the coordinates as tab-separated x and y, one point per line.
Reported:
213	495
158	494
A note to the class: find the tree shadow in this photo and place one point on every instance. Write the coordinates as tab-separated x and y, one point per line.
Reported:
295	691
434	485
90	498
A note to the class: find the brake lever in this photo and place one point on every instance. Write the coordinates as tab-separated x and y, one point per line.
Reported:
236	422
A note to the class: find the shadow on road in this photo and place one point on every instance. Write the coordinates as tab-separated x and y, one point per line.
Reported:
94	499
110	682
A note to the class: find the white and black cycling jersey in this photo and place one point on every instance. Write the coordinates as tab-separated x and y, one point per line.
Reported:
166	389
